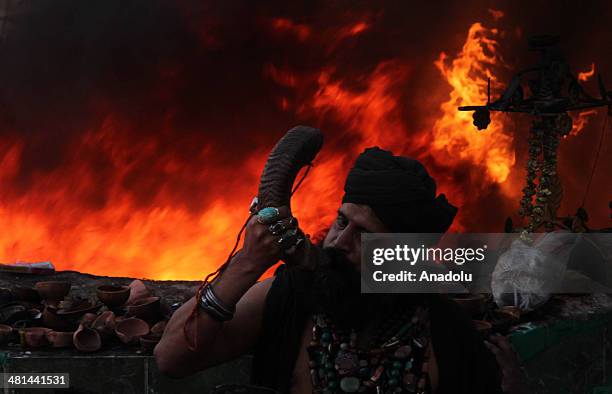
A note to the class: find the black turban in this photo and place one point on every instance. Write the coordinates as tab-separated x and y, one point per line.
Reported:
400	192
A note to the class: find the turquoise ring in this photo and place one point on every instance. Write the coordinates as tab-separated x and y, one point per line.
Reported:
268	215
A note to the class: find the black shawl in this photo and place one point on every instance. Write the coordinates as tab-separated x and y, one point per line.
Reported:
464	364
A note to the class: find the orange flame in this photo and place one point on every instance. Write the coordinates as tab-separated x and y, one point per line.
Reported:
166	241
584	76
581	119
454	133
372	115
352	30
121	239
302	32
496	14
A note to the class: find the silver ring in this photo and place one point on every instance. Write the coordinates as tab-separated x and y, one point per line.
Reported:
300	240
288	239
282	225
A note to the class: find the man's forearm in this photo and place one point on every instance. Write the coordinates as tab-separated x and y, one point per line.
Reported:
239	276
173	353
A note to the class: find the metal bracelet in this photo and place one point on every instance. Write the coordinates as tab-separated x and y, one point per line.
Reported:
212	311
213	299
211	304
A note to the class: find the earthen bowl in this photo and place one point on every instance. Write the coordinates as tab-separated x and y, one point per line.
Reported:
119	319
35	337
60	339
148	342
130	330
113	296
104	324
87	339
57	322
503	318
5	333
79	309
158	328
53	290
145	308
88	319
138	291
511	311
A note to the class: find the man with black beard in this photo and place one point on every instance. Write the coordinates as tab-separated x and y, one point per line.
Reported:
311	329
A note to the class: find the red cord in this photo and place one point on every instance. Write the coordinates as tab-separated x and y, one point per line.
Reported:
195	312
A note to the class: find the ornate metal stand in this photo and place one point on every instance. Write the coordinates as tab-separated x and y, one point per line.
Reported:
554	91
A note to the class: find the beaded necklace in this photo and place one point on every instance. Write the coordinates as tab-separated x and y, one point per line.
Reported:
395	360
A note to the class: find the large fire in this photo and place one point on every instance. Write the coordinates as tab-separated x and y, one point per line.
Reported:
117	235
372	116
453	132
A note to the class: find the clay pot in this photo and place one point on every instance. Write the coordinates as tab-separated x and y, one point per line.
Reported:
35	337
57	322
511	311
26	294
483	328
130	330
88	319
158	328
105	324
138	291
60	339
87	339
77	309
145	309
473	304
53	290
505	317
5	333
148	342
113	296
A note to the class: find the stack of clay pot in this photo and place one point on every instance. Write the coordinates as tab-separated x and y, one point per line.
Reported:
54	326
127	314
132	313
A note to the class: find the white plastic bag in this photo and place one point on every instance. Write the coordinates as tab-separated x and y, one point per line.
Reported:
526	275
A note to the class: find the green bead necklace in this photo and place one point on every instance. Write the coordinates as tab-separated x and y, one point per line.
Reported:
395	362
